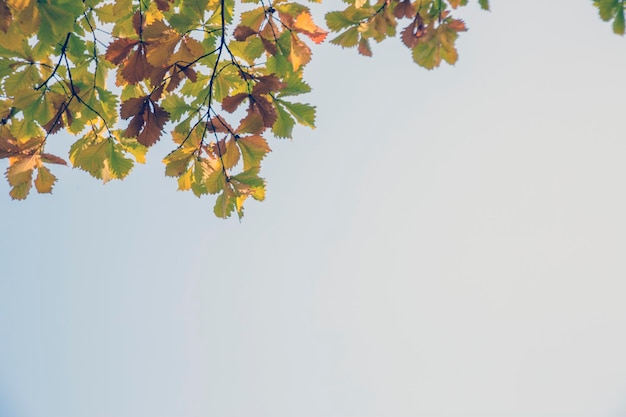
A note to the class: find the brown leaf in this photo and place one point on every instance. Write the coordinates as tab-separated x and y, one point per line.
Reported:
137	67
190	73
154	122
138	22
5	16
219	125
163	5
270	46
218	148
412	33
404	9
119	49
242	33
252	123
157	76
52	159
132	107
267	83
457	25
231	103
134	127
364	47
266	110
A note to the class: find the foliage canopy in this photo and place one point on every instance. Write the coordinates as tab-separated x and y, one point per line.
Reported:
223	80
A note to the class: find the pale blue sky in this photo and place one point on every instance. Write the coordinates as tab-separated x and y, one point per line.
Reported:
444	244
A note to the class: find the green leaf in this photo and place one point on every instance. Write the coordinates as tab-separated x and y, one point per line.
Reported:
426	54
347	39
607	8
295	86
215	181
304	113
25	129
253	149
197	184
182	22
57	19
116	161
337	21
618	23
89	154
34	106
176	163
484	4
22	80
283	127
176	106
225	204
279	64
250	183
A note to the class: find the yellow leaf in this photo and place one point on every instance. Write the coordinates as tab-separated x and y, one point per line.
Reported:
300	53
45	180
19	5
184	181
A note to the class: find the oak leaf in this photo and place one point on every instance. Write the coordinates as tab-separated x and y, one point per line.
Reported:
148	119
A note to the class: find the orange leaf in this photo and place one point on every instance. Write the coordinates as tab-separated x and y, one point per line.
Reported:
457	25
304	24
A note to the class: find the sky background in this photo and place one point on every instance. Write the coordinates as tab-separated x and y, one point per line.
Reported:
445	244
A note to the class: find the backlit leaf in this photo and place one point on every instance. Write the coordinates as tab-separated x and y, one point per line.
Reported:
45	180
253	150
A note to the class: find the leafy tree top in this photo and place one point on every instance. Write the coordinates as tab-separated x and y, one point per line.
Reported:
116	74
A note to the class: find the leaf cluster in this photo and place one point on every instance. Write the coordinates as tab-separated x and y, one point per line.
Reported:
117	74
612	10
